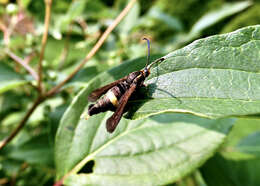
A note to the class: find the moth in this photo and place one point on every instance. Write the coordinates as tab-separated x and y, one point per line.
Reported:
118	93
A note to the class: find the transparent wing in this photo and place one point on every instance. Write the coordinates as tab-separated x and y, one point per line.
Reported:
113	121
100	91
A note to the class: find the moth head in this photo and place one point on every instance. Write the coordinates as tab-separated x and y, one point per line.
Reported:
146	72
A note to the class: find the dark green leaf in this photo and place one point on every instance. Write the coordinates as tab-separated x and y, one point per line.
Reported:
221	171
239	163
9	79
215	16
10	166
171	21
129	21
75	10
211	18
37	151
250	144
241	143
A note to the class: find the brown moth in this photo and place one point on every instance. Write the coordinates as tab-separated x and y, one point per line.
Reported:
118	93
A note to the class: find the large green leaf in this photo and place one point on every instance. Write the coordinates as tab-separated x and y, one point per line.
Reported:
9	79
213	77
158	150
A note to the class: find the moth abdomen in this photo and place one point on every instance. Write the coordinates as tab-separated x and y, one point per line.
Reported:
109	101
102	105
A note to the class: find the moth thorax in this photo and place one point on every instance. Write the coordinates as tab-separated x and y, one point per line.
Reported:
112	98
132	76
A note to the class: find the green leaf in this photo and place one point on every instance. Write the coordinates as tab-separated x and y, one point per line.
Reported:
33	150
129	21
221	171
213	77
239	162
250	144
169	146
215	16
75	11
25	3
210	19
246	18
194	179
9	79
10	166
242	142
76	8
83	77
243	127
171	21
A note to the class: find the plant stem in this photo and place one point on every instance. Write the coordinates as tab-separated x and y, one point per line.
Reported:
22	63
48	4
95	48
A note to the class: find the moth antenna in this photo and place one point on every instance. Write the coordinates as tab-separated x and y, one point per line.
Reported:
156	61
148	55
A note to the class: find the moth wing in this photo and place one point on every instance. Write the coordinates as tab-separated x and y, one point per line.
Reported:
102	90
113	121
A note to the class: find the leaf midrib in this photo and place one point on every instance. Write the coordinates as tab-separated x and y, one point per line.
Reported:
209	68
193	98
158	149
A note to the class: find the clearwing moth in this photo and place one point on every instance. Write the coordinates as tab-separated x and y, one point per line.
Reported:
118	93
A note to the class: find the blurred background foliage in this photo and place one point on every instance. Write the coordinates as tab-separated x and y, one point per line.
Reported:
74	29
